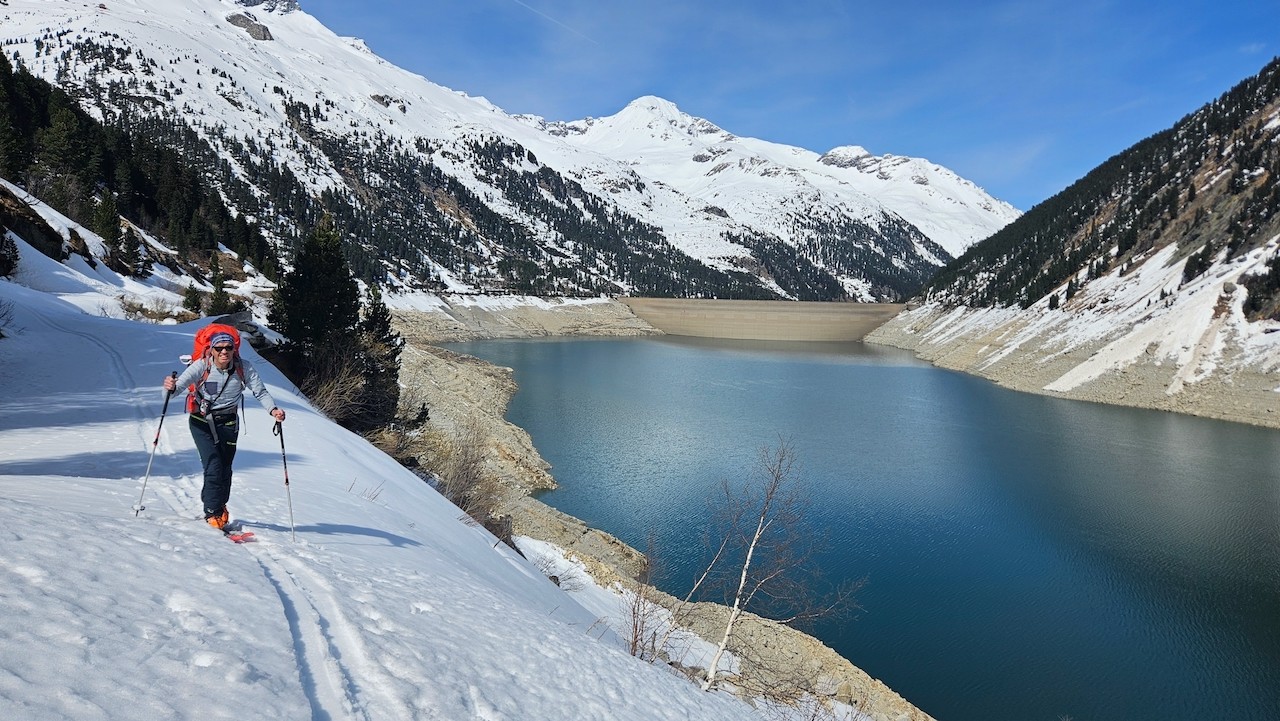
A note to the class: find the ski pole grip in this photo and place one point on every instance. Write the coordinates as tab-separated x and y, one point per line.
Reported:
168	393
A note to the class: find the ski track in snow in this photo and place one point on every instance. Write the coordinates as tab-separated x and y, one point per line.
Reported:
336	673
383	608
327	684
333	663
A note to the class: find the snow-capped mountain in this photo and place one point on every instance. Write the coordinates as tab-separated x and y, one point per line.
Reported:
774	185
446	190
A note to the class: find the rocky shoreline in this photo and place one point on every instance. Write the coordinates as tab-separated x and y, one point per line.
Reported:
1011	351
462	391
1239	386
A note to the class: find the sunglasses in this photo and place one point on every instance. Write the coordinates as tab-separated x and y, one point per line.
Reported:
223	348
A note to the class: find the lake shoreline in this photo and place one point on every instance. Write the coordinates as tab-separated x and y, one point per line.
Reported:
1238	387
460	389
1245	395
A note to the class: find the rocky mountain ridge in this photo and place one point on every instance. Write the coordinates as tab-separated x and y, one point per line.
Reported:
441	191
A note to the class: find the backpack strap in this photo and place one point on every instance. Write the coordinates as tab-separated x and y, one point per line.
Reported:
244	385
208	366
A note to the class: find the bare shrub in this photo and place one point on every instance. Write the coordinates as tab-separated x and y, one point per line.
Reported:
131	308
811	708
568	575
106	309
645	617
334	387
651	627
159	309
152	310
401	442
458	459
572	578
412	407
367	493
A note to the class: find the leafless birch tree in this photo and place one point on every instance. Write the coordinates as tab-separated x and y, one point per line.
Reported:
763	554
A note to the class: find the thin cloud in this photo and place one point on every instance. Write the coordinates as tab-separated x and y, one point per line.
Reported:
550	19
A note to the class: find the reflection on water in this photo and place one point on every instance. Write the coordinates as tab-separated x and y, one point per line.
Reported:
1027	557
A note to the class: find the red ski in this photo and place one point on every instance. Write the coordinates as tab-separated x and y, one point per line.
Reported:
239	536
236	533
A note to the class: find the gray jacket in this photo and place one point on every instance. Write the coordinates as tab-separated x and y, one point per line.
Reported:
213	387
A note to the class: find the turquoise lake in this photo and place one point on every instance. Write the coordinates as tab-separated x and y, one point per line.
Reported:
1026	558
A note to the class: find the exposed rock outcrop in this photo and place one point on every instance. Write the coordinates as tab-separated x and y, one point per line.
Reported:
17	216
282	6
256	30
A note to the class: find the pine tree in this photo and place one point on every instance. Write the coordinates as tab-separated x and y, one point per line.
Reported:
127	251
11	142
106	222
317	302
219	303
8	256
317	308
144	265
379	351
60	145
191	299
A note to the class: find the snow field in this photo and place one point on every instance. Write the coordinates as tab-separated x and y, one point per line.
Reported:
387	606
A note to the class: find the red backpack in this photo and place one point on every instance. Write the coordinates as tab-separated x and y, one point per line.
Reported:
200	351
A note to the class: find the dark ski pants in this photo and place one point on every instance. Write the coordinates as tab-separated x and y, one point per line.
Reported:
216	458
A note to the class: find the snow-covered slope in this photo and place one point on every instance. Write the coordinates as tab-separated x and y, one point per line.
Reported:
388	605
1137	336
951	211
272	91
772	186
1149	282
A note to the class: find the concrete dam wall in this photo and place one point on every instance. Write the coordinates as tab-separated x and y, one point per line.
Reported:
763	319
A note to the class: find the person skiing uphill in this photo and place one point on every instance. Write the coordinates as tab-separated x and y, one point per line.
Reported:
219	378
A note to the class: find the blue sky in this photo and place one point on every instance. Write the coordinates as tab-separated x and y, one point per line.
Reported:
1021	97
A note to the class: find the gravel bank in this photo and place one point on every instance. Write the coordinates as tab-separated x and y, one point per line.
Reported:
1239	389
461	390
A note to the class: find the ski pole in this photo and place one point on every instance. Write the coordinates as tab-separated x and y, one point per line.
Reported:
279	431
139	508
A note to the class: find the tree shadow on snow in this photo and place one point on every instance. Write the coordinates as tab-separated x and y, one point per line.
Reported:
336	529
110	405
105	465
